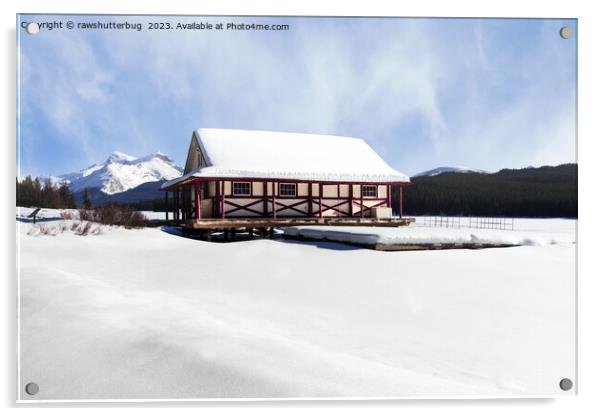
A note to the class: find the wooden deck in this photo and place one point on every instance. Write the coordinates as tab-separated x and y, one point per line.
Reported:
233	223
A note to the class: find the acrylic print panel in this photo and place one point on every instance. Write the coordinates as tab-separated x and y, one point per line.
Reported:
219	207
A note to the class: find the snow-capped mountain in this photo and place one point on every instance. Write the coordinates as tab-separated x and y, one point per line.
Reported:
121	172
448	169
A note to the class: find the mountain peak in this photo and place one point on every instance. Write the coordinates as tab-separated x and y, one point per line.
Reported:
448	169
120	157
157	155
121	172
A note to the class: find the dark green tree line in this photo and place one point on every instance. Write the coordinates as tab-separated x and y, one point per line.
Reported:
34	193
531	192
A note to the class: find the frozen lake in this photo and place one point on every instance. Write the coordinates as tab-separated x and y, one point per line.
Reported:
146	314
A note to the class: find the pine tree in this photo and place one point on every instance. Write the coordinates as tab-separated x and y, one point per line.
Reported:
66	197
530	192
86	199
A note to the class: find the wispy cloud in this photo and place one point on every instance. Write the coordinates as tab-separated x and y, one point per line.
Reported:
422	92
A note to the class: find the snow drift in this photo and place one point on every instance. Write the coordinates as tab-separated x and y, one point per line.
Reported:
144	314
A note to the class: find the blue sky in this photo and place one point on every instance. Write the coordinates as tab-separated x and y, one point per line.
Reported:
481	93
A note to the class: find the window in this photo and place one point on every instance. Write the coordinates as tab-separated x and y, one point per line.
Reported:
241	188
287	189
369	191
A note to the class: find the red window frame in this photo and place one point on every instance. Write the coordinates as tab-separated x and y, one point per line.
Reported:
294	185
365	187
234	193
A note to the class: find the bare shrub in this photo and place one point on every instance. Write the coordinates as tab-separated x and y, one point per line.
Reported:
66	215
34	231
97	230
42	229
135	219
83	228
87	228
88	215
121	215
53	231
109	214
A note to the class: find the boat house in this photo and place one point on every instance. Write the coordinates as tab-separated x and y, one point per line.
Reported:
275	178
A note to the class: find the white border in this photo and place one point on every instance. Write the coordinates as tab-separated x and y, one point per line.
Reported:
590	105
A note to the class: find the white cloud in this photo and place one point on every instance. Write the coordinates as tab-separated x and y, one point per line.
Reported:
64	83
419	94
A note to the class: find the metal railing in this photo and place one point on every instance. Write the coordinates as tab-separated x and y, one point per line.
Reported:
493	223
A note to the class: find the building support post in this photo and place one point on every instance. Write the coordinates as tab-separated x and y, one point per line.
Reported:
166	206
216	200
389	196
223	193
181	197
400	201
350	196
310	199
197	202
202	196
361	201
180	204
185	195
265	198
176	197
273	199
320	198
173	205
187	202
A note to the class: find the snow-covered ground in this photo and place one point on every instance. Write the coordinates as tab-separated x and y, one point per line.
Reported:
526	232
157	215
147	314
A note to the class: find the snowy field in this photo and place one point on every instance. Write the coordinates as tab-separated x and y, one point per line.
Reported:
134	314
525	233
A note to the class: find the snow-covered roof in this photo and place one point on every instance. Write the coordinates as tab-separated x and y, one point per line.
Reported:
278	155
